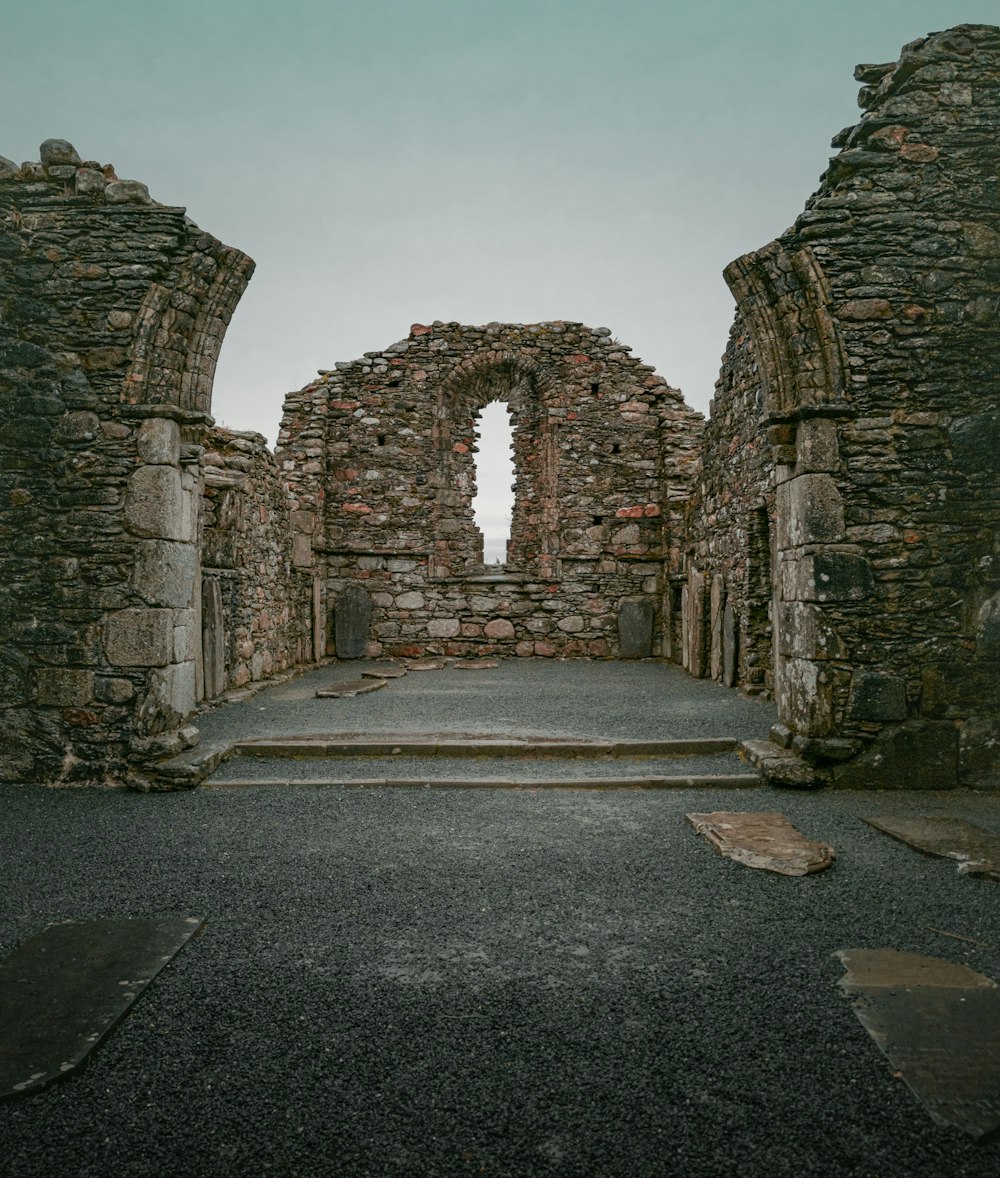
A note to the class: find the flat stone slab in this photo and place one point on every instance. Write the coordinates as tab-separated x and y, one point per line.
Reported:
384	673
977	850
352	614
427	665
472	745
765	839
64	990
692	781
476	665
938	1024
350	688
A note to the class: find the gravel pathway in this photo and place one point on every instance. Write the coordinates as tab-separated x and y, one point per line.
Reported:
499	982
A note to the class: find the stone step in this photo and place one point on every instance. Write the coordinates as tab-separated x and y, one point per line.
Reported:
490	772
445	746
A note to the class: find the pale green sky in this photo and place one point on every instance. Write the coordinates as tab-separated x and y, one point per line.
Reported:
392	161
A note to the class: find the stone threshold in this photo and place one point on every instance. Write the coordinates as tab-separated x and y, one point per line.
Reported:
329	746
191	768
699	781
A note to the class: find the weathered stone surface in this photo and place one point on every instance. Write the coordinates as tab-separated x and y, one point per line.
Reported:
110	319
159	442
476	665
89	180
921	754
389	672
877	697
635	629
165	572
810	511
443	627
766	840
139	637
170	697
350	688
938	1024
352	618
127	192
213	638
781	766
977	850
156	505
730	648
63	990
54	152
64	686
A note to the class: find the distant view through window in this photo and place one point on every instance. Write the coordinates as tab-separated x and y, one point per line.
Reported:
494	501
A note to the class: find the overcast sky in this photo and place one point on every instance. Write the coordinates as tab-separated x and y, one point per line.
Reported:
395	161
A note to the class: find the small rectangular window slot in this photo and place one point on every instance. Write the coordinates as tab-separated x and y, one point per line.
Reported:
381	439
393	384
598	519
615	448
595	387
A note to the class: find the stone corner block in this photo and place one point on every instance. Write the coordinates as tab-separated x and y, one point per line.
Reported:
170	698
810	511
139	637
159	442
165	572
156	505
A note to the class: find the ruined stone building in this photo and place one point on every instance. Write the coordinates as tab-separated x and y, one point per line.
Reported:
831	535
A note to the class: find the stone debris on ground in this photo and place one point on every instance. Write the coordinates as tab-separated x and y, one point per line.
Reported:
938	1024
427	665
476	665
977	850
384	673
350	688
765	839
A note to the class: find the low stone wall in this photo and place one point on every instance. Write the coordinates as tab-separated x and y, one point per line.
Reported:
504	614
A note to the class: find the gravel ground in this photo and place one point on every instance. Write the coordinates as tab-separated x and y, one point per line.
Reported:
525	697
504	769
498	982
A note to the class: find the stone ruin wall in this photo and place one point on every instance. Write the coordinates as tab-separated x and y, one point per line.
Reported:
845	493
875	323
603	451
257	604
724	596
112	312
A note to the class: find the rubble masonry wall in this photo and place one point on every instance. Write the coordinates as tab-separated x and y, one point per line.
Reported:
112	312
603	450
875	327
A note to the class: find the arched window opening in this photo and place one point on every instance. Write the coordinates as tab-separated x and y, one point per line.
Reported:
493	504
